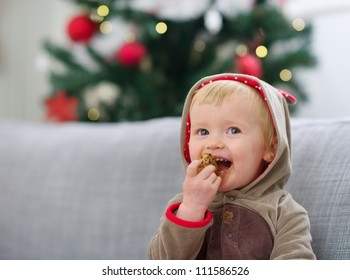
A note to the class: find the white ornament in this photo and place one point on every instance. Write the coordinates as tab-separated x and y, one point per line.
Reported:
213	21
104	92
172	9
108	92
232	8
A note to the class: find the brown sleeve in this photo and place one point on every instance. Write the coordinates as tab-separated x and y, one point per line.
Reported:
293	238
177	241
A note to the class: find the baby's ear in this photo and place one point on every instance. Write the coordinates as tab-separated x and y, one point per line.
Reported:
269	156
271	150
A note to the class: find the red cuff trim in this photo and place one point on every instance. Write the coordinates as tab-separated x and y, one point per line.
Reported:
189	224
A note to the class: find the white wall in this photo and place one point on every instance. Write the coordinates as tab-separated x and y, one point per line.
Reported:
24	24
327	84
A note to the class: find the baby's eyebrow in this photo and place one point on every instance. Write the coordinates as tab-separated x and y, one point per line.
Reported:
196	128
198	124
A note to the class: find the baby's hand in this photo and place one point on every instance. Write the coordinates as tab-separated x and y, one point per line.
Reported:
199	191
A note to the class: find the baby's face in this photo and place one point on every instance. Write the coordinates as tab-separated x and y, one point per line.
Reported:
232	134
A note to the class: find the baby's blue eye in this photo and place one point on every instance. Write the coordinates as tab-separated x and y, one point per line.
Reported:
233	130
203	131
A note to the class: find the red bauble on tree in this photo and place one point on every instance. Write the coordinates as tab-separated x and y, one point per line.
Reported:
131	54
249	64
61	107
81	29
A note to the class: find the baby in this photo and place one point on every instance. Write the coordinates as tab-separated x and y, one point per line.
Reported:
234	208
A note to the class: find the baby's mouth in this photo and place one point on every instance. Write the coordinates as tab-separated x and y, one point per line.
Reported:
223	166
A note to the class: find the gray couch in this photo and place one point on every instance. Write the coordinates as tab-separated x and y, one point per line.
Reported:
96	191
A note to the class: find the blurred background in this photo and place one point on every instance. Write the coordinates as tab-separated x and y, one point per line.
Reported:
108	61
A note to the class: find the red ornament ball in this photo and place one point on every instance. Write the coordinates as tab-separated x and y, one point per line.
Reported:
81	29
249	64
130	54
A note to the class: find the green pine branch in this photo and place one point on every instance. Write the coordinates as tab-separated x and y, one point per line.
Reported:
62	55
173	65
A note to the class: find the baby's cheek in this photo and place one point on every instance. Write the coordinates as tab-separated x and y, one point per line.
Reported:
195	153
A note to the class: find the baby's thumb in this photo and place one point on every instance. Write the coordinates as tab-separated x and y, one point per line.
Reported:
192	168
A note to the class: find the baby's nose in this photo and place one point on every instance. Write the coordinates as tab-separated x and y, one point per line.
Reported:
215	143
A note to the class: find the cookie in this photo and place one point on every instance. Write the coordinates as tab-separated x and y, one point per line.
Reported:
207	159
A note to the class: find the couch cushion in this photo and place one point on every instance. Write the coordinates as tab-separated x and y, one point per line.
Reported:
321	182
85	191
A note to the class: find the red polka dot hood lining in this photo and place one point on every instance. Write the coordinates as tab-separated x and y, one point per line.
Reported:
277	102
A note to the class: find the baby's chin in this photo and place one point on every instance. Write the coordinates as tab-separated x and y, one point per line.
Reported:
226	185
229	182
224	189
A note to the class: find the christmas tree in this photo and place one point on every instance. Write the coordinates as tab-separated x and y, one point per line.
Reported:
150	72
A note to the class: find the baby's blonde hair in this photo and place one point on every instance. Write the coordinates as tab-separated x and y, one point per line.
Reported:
216	92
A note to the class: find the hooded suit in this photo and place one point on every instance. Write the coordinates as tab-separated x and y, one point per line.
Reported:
258	221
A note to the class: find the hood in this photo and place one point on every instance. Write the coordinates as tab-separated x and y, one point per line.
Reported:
279	170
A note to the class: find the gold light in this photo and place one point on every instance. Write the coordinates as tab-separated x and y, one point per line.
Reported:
286	75
93	114
96	18
261	51
241	50
199	46
161	27
298	24
106	27
102	10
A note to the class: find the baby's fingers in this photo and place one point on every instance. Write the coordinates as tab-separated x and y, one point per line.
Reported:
207	172
217	182
192	168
